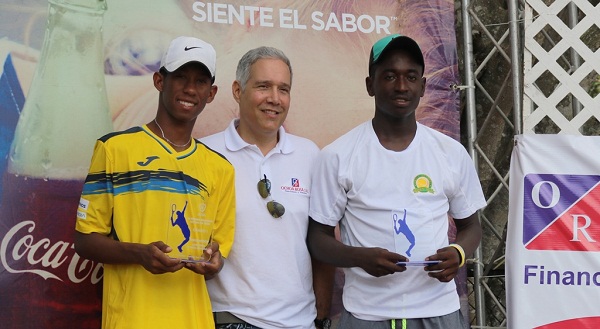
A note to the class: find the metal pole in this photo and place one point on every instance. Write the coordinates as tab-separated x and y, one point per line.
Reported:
469	80
515	42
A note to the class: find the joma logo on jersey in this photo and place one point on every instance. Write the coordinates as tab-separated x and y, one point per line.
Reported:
561	212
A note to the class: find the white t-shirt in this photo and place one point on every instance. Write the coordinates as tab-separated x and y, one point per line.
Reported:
267	278
399	201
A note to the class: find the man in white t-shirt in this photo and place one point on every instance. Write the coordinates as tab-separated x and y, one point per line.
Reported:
267	280
391	183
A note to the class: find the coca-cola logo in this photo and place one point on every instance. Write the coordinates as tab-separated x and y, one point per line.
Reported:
44	258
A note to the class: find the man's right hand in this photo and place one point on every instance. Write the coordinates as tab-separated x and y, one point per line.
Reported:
379	262
155	259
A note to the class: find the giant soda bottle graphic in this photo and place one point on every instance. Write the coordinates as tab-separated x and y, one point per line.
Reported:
43	282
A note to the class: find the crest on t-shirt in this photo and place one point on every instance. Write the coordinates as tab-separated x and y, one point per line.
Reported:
422	184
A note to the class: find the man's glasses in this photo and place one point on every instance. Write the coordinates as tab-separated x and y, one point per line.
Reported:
276	209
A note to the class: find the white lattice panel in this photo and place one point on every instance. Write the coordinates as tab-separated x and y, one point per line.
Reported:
541	62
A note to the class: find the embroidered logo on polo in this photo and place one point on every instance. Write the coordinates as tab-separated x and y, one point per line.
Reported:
561	212
422	184
294	187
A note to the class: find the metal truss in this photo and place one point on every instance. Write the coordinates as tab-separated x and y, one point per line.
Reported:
491	118
556	42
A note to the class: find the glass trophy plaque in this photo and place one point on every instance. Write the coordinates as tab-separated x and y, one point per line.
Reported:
188	236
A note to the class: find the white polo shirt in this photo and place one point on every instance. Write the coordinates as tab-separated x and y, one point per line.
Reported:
267	278
371	191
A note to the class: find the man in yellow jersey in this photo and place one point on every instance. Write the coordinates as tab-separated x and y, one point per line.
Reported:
158	207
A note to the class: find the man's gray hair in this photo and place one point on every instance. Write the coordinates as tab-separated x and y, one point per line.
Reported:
242	73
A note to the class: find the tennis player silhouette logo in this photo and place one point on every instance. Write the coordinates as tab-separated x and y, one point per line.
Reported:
182	223
400	226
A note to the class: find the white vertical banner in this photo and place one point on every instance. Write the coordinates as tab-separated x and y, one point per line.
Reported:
553	242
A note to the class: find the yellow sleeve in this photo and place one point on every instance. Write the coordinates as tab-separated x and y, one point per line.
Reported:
95	210
225	217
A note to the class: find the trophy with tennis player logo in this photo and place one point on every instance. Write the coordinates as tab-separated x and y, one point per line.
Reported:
189	236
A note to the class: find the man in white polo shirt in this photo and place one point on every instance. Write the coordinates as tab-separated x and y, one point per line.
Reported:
267	281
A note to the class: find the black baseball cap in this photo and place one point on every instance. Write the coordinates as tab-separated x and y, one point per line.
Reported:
396	41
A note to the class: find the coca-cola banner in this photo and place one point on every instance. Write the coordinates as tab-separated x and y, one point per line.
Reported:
73	70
